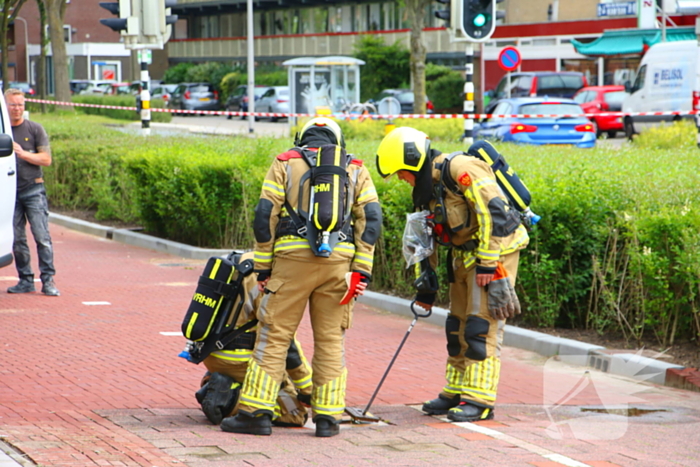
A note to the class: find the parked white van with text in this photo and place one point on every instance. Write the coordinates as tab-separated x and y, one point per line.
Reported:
667	80
8	183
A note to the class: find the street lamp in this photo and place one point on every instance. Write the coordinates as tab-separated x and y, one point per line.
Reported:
26	47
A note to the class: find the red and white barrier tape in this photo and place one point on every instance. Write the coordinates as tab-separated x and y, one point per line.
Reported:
374	116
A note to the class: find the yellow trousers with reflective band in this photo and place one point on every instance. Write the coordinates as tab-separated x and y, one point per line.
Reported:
287	409
294	282
474	338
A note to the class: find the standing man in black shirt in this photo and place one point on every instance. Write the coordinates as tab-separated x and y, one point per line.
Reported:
32	152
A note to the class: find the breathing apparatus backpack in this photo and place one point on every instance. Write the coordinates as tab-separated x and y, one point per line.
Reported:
515	190
325	220
211	318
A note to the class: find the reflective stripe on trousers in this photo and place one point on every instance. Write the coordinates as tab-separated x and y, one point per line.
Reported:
473	368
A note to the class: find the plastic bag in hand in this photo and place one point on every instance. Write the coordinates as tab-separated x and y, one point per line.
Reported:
418	242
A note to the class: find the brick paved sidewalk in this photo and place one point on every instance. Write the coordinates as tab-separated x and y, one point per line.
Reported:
89	379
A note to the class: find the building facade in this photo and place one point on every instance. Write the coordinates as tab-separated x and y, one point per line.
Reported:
215	30
542	30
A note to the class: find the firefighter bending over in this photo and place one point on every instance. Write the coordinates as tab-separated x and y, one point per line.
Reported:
470	215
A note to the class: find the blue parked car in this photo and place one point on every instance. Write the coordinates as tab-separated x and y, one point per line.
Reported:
557	127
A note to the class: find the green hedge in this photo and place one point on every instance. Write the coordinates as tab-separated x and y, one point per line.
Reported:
617	249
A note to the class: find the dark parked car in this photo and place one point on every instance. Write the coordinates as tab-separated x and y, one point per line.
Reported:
24	87
238	101
537	83
405	97
194	96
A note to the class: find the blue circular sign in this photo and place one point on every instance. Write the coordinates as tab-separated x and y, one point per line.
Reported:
509	59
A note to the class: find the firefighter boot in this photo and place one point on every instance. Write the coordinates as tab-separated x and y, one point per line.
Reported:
468	412
221	397
441	405
25	285
259	423
326	426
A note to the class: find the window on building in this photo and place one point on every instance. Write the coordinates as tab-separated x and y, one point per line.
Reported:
374	17
67	35
320	19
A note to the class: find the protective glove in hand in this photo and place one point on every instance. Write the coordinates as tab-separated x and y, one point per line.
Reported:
425	300
357	282
503	302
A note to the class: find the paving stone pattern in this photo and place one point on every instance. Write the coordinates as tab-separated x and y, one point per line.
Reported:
99	385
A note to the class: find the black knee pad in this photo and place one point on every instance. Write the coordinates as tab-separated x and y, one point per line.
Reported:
221	396
293	357
452	333
475	332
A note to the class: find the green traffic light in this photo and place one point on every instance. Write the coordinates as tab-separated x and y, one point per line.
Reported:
479	20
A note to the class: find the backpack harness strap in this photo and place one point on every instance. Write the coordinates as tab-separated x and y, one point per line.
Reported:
297	223
239	337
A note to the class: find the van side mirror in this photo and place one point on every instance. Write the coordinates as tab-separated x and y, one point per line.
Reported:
6	145
490	93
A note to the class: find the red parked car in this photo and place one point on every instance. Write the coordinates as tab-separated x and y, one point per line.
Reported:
598	99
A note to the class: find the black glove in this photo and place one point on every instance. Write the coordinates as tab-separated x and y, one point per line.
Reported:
263	275
366	278
425	298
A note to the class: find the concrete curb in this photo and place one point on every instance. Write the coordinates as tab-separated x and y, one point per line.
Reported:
136	239
567	350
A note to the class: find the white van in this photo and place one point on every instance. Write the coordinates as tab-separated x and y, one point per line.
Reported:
8	183
667	80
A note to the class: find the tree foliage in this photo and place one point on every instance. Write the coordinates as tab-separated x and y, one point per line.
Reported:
386	66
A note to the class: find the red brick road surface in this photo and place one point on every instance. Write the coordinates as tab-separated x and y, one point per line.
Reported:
88	379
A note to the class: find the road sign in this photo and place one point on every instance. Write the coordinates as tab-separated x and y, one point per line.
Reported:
509	59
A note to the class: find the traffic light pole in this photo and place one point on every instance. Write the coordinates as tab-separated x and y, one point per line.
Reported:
468	138
145	98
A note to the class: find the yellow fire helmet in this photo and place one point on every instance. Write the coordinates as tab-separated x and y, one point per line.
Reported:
318	123
404	148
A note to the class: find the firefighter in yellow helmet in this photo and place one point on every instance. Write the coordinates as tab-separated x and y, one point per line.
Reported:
470	215
299	264
227	367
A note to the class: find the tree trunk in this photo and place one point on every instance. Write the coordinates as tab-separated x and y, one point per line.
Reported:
43	42
416	16
10	10
56	10
4	21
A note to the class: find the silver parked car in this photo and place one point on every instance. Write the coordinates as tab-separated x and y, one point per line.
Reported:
194	96
163	91
274	100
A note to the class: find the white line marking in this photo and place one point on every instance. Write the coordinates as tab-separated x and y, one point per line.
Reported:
96	303
171	333
546	453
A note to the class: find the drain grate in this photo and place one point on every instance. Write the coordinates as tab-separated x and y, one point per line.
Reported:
624	411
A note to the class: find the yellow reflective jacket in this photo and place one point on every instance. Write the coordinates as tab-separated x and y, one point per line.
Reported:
478	214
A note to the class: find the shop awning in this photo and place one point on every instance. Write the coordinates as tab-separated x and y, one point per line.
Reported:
630	41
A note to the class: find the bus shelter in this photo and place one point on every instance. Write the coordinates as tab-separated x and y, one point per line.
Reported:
323	85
